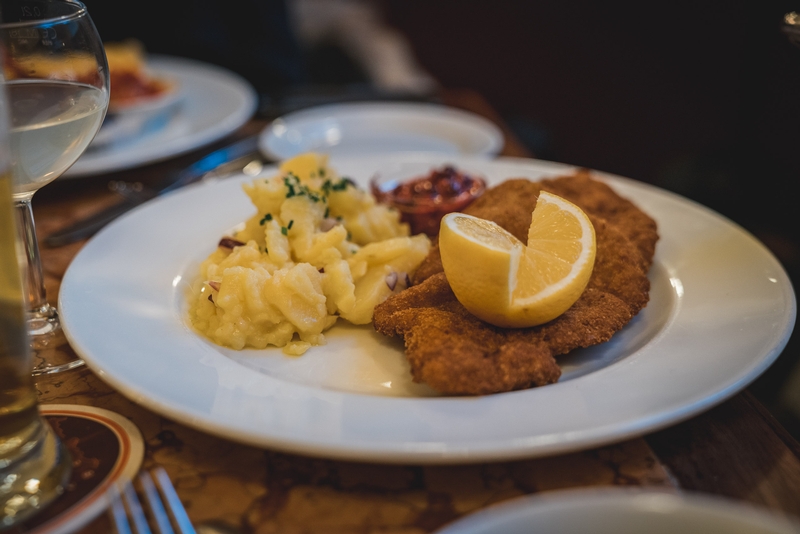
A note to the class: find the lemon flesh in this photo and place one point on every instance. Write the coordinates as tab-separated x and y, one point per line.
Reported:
509	284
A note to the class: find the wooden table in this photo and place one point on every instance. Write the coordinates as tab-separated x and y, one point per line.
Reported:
736	449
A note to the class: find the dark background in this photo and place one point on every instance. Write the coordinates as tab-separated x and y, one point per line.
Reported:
700	97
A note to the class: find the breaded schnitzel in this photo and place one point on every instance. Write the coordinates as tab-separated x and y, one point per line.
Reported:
456	353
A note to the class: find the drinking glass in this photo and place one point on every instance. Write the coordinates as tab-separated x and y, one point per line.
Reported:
56	82
34	465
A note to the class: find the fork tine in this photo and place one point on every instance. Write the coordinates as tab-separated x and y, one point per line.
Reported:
173	501
118	512
125	507
135	511
154	503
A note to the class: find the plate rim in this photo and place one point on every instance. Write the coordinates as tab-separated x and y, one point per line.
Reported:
427	110
524	447
658	500
176	67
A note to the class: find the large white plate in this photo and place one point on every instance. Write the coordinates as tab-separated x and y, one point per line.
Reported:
214	103
721	310
377	127
623	511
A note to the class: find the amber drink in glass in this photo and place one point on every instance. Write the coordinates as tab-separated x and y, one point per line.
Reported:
33	462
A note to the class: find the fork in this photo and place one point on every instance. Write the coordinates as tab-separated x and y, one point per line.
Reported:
126	509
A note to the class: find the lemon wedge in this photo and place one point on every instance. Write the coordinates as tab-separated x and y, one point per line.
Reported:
506	283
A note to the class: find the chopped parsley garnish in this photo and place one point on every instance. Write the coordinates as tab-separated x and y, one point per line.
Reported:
341	185
294	188
290	181
265	219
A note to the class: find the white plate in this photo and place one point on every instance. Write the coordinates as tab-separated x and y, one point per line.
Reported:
375	127
721	310
623	511
215	102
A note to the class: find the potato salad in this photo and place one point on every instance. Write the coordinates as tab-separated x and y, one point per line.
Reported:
318	248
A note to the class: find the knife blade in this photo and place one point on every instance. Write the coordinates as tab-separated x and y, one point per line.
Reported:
247	147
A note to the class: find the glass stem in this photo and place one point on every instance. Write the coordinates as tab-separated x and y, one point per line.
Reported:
34	279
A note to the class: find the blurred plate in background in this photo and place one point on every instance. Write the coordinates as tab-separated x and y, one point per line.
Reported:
214	103
139	119
380	127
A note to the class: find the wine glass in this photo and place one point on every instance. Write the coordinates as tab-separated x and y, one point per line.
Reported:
56	82
34	464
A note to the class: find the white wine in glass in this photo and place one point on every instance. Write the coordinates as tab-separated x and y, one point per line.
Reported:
55	77
53	124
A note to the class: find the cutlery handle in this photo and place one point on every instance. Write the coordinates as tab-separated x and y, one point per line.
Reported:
91	225
88	227
223	156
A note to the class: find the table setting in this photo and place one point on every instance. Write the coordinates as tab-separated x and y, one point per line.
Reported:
648	426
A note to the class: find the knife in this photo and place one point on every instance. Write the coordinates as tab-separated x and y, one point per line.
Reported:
247	147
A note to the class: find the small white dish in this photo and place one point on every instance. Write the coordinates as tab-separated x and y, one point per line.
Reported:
721	310
213	103
379	127
623	511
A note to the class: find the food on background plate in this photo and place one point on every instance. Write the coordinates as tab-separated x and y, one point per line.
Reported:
317	248
423	200
511	284
456	353
76	68
130	81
